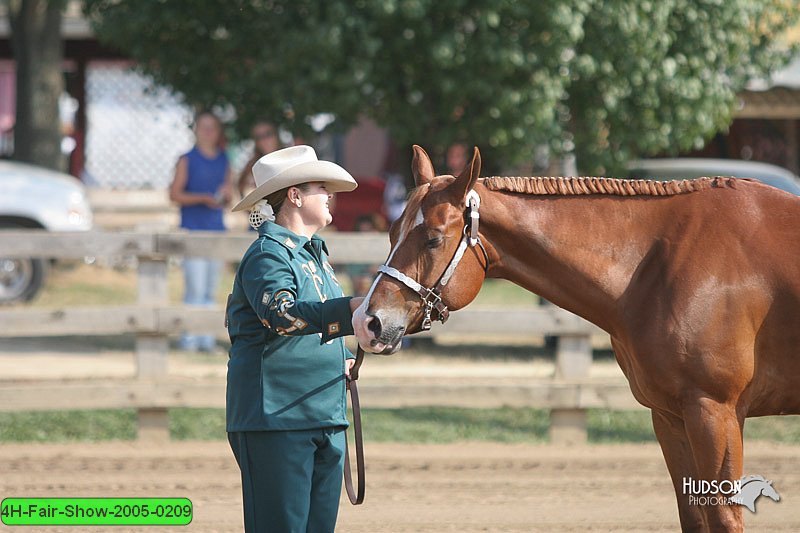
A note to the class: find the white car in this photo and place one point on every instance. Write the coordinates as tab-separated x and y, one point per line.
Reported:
35	197
695	167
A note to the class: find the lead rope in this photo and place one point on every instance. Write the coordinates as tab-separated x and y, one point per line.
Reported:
356	497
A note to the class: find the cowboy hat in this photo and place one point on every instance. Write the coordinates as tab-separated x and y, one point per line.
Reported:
293	166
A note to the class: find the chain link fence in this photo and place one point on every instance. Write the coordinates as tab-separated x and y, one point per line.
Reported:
136	130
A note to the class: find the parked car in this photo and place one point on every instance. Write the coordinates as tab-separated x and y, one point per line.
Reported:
687	167
35	197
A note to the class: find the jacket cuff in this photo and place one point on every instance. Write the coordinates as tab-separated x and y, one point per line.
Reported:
337	319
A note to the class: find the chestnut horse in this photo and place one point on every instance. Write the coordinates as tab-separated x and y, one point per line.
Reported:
696	281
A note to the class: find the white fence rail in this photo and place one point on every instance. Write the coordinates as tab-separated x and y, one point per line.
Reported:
153	320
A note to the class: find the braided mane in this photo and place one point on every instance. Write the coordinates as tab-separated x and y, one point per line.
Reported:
573	186
610	186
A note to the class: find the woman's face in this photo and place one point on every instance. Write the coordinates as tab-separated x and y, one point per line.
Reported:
315	204
265	137
208	130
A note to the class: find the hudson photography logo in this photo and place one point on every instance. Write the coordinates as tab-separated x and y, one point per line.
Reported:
743	491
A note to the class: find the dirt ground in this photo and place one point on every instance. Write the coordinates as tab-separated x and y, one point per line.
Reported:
466	488
410	488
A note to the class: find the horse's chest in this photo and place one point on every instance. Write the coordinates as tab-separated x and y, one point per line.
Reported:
639	381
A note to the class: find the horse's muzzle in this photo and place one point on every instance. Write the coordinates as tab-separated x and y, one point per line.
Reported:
386	332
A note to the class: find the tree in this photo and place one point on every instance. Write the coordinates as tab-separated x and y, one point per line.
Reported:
609	79
479	72
38	54
662	77
282	60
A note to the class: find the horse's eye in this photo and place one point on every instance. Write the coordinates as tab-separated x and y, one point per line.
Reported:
434	243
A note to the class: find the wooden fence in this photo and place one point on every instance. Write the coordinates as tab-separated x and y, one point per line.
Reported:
568	395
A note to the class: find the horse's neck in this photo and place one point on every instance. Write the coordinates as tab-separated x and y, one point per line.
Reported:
579	252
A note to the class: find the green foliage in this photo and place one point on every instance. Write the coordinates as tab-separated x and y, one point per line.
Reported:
416	425
67	426
611	79
197	424
437	425
605	426
282	60
661	76
485	73
419	424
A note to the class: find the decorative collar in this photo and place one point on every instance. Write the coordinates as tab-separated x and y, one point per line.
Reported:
289	239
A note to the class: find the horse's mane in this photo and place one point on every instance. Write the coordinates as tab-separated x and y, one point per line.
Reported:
572	186
609	186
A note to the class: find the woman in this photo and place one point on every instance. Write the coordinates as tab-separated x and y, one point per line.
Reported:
286	318
265	141
202	186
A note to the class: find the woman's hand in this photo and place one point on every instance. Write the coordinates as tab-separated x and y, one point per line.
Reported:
225	194
360	323
355	303
211	200
348	364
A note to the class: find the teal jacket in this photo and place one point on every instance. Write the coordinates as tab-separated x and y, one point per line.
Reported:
286	316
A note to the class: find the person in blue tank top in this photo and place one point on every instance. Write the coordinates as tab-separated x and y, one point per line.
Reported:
202	187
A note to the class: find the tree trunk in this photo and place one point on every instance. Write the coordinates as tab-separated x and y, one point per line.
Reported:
38	52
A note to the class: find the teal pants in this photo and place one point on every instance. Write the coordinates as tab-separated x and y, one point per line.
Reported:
291	480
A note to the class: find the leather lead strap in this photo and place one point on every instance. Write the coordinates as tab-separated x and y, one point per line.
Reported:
356	497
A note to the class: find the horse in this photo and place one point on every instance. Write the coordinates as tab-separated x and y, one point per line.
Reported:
752	487
696	281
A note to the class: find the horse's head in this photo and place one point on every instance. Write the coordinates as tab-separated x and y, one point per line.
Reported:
769	491
434	266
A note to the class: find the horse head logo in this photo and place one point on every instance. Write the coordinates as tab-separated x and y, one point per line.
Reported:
751	488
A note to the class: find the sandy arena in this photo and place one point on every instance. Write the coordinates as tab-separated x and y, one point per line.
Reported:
454	487
466	488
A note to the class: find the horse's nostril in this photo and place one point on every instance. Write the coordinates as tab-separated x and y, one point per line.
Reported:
375	326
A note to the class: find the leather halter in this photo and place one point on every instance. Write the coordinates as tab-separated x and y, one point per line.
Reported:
432	298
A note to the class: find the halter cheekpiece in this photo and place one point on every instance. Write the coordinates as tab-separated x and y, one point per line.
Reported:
432	298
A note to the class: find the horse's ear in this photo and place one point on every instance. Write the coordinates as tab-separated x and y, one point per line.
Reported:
421	166
466	180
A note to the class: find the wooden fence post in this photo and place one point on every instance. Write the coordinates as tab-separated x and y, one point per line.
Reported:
573	362
152	349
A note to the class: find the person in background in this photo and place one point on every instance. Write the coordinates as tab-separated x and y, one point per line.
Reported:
363	275
202	186
370	222
456	158
394	190
266	140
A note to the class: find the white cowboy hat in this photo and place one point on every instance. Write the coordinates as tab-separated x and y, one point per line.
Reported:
293	166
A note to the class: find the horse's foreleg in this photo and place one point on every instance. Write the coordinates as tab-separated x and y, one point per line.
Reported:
677	452
715	435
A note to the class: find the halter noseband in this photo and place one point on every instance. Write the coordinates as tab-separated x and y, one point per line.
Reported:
432	298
